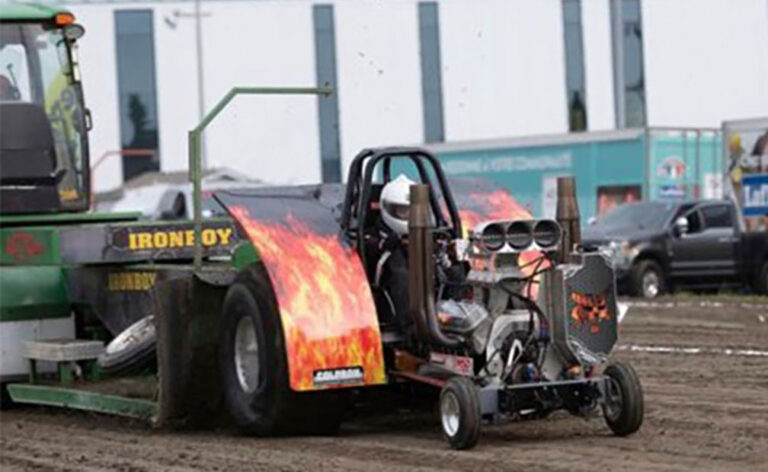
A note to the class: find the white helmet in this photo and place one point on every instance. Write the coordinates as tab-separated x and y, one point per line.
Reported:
396	204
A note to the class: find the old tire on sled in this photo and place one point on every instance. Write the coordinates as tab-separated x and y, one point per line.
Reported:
131	351
460	415
623	406
254	367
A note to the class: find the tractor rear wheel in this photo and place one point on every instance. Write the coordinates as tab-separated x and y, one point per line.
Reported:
623	404
460	415
254	366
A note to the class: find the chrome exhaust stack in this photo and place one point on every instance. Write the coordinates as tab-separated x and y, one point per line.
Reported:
421	273
568	216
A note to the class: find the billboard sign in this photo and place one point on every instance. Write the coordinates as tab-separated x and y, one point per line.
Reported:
754	195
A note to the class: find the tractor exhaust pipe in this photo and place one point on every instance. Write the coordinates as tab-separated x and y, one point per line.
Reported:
568	215
421	277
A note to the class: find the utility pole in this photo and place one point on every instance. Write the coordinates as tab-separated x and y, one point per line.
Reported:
200	78
198	17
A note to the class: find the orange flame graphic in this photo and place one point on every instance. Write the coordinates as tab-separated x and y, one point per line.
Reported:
326	307
590	309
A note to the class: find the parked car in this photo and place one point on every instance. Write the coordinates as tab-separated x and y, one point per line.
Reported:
659	247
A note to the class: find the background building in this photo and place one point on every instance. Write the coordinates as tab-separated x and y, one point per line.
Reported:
407	72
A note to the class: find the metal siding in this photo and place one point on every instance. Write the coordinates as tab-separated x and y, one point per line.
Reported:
328	107
431	76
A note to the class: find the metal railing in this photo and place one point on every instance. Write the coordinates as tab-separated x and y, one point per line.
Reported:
195	148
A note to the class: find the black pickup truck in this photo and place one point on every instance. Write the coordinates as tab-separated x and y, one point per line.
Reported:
660	247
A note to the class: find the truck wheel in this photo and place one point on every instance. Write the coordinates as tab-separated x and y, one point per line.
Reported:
623	402
460	415
648	279
762	281
255	370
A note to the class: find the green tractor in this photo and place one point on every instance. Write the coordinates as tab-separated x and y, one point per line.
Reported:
70	279
44	174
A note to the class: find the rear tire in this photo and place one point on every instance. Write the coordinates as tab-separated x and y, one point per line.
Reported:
761	285
254	367
623	406
460	415
648	279
5	398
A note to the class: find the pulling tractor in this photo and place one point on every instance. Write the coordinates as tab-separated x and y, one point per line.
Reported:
275	314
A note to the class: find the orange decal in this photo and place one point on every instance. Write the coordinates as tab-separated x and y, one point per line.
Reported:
590	309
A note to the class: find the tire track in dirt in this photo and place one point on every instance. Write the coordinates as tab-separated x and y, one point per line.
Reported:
702	412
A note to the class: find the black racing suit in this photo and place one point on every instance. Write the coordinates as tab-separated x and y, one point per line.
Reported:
391	274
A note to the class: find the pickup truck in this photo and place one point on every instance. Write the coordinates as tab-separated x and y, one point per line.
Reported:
659	247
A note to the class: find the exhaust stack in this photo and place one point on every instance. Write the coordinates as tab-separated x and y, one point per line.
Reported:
421	276
568	215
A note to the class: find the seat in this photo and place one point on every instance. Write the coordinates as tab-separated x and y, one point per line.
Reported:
28	177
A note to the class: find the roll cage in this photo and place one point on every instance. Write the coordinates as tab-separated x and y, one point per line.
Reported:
360	190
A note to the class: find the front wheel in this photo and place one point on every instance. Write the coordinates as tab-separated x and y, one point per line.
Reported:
648	279
623	403
460	415
255	371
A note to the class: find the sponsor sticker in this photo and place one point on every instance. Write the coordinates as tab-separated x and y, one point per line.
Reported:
131	281
341	376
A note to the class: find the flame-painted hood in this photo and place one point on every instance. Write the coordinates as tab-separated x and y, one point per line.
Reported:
326	307
327	312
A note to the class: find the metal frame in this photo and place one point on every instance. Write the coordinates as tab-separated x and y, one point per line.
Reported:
492	396
82	400
195	147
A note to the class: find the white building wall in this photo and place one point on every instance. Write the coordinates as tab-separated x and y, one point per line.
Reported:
598	64
503	70
99	71
378	74
176	79
274	138
502	74
706	61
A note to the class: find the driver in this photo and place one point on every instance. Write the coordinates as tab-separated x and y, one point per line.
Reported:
392	265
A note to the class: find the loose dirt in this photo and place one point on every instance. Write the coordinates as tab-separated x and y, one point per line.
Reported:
706	409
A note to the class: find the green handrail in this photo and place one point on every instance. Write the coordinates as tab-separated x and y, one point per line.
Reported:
195	145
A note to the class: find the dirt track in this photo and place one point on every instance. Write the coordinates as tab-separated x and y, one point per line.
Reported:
705	409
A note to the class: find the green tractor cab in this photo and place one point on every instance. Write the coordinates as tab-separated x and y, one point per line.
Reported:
44	162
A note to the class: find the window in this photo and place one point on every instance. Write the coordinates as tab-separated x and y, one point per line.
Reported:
328	107
137	90
14	81
431	79
694	221
628	70
717	216
574	65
